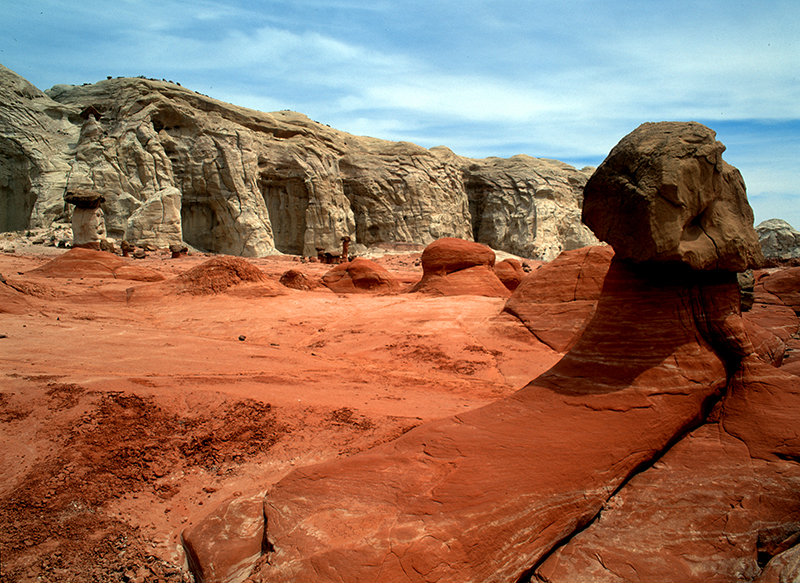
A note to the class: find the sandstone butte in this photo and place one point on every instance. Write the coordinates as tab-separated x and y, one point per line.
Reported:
175	166
659	448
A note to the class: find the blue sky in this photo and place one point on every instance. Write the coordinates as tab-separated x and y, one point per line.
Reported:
561	80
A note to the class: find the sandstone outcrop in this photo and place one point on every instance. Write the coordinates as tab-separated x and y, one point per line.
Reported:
778	239
455	267
174	165
557	300
664	193
488	494
360	276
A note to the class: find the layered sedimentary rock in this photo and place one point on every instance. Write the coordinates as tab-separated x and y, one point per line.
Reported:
175	165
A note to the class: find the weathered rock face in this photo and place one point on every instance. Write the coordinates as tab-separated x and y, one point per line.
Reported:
778	239
174	164
664	193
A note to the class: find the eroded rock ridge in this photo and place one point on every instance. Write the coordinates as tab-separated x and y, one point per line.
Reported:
174	165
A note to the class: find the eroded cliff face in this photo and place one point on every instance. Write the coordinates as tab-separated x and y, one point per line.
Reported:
252	183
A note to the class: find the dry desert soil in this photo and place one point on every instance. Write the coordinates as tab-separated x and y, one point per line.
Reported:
130	410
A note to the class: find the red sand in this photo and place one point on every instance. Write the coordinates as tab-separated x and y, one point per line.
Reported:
127	414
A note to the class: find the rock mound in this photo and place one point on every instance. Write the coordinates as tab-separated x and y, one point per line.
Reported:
360	276
218	275
454	267
295	279
664	193
81	262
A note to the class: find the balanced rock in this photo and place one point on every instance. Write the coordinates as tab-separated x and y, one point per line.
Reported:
360	276
88	227
664	193
452	267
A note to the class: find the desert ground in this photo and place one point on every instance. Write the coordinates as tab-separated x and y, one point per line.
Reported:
129	410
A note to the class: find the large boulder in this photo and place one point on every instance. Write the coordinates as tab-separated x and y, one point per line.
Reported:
664	193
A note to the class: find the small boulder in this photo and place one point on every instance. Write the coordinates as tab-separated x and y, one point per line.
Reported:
510	273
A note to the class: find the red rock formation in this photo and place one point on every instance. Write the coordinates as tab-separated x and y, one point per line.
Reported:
510	272
720	502
452	267
448	255
360	276
555	301
217	275
223	547
295	279
482	496
81	262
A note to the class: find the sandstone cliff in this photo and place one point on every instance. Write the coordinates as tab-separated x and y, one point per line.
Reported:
248	183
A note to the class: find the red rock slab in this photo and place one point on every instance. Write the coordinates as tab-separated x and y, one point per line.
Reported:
767	345
762	408
557	300
360	276
484	495
784	284
510	273
479	280
449	254
79	262
777	319
224	545
705	512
